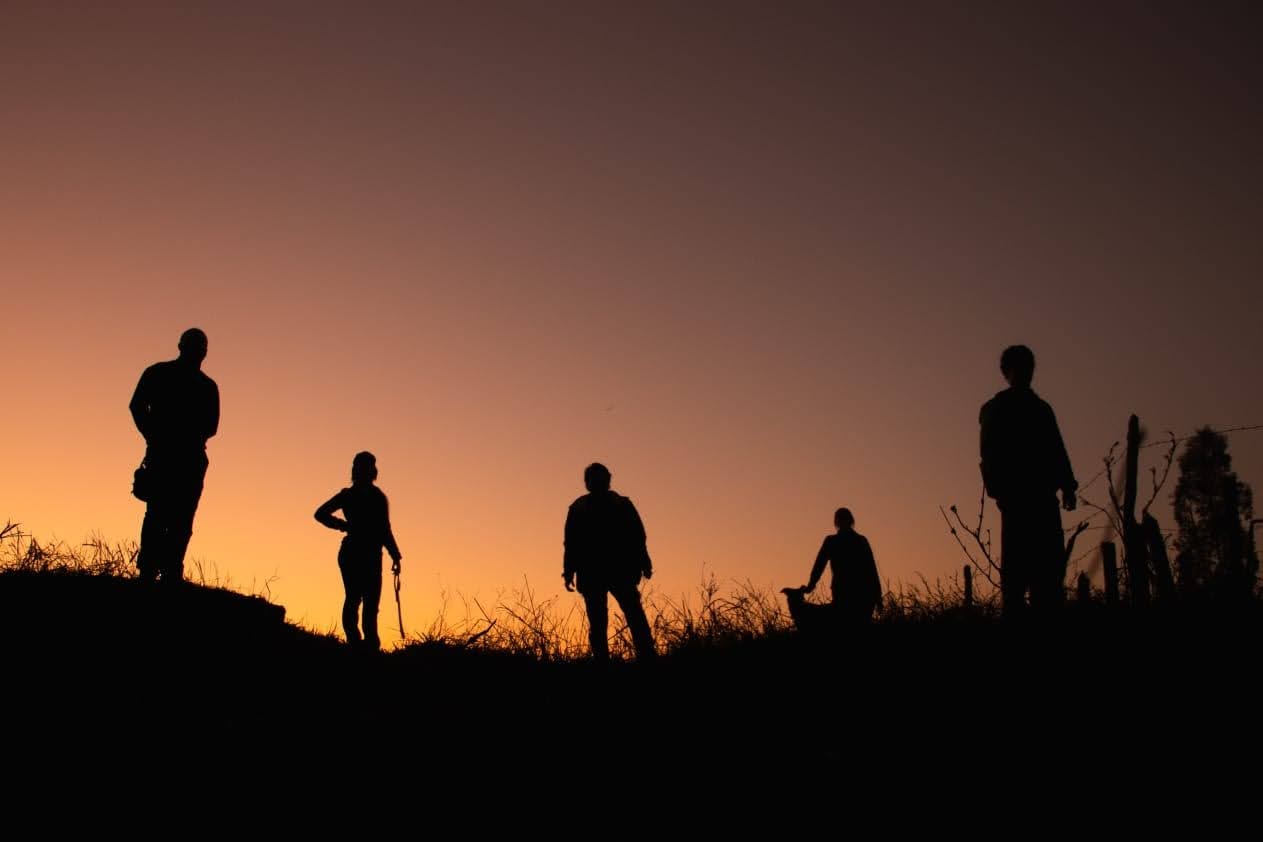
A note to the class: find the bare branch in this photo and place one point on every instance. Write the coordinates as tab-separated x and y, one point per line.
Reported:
475	638
1116	497
1158	483
1114	521
1074	536
991	571
956	535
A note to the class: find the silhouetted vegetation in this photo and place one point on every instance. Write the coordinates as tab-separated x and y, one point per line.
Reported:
520	622
1215	514
99	658
1216	554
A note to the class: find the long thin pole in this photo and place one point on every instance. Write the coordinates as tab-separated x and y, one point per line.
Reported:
399	608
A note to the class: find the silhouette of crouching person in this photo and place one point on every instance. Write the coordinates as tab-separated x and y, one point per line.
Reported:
856	584
606	553
367	527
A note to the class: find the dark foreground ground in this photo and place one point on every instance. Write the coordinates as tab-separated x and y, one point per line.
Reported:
1138	712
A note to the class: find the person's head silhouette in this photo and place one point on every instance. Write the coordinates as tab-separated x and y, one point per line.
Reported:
1017	363
363	468
193	344
596	477
843	519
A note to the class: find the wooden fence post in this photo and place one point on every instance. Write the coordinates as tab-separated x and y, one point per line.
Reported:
1109	560
1157	547
1135	553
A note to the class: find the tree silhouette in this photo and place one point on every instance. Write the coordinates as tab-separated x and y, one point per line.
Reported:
1213	510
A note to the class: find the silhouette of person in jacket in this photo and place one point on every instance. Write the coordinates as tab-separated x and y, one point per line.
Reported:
1024	465
605	553
366	522
176	408
856	585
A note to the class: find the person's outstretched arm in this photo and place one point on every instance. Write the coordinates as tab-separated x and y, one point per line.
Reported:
989	458
1061	464
325	515
639	541
212	412
569	548
874	580
817	569
389	541
140	405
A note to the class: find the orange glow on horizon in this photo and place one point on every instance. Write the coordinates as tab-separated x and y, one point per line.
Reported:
758	275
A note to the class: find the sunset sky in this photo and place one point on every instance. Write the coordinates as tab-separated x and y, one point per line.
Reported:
758	258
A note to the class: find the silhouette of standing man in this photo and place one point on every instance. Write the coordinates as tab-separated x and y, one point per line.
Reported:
1024	465
176	408
856	585
605	550
367	527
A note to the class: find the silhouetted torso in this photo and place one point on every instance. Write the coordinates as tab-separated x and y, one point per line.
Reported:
176	406
604	541
605	550
367	514
366	521
856	585
1024	465
1023	455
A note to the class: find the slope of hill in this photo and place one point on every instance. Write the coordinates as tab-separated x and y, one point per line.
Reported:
97	663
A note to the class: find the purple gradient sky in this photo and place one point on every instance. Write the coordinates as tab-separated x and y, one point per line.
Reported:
760	259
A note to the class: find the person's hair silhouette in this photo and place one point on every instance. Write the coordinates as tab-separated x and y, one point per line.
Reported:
1017	364
176	408
856	584
1024	464
596	477
366	522
605	551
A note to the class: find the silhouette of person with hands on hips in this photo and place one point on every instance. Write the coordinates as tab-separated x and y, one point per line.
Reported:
366	522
